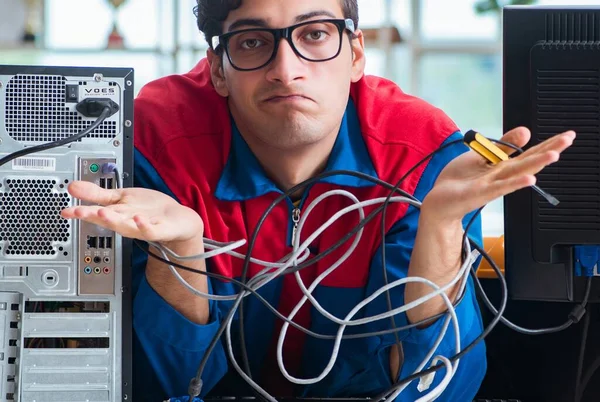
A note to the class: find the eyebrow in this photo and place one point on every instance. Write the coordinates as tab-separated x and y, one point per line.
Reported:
312	14
262	23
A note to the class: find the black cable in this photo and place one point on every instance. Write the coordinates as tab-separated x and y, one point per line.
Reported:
196	383
117	177
252	241
399	383
254	236
464	255
274	310
588	376
67	140
107	111
383	396
509	145
294	269
197	379
498	316
581	357
246	266
289	271
576	314
286	194
383	251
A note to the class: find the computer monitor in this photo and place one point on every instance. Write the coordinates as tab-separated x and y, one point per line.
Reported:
65	299
552	84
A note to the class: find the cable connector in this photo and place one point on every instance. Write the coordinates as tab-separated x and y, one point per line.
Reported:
577	313
586	258
93	107
195	387
109	168
425	382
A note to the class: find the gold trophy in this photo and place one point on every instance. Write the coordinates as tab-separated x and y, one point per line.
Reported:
115	39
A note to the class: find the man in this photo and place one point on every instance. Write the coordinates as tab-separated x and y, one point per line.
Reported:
266	110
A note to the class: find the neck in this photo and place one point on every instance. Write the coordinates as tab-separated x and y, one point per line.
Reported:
288	168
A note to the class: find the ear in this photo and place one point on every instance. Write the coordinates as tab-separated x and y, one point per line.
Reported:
216	72
358	56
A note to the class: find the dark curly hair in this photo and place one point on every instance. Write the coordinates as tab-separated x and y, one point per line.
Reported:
210	14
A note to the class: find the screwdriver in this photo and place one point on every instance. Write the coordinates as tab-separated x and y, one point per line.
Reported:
490	151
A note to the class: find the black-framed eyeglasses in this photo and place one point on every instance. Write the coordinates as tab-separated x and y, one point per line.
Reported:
254	48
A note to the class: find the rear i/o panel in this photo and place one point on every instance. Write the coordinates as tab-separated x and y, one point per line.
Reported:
65	303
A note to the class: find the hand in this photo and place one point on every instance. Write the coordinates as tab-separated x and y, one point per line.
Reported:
469	182
137	213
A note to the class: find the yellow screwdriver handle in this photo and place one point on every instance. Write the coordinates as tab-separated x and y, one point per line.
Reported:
485	147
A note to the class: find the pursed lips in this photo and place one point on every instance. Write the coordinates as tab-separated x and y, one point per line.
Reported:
286	98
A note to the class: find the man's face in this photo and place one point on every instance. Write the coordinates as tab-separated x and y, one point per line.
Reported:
290	102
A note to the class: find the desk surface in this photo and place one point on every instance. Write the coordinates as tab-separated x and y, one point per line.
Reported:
494	246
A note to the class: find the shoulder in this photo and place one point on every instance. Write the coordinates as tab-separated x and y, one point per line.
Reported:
182	128
390	116
180	111
180	105
399	130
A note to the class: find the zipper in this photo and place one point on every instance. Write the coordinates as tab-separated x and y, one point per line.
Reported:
295	212
295	221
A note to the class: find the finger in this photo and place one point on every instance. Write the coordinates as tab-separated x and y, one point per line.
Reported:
92	211
103	217
94	194
504	187
80	212
526	166
557	142
519	137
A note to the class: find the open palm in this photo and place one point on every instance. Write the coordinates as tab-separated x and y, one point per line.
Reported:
470	182
135	213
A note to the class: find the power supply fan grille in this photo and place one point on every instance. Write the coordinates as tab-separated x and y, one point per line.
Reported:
30	220
570	100
36	111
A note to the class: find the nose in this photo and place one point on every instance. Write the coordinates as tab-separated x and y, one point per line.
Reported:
287	65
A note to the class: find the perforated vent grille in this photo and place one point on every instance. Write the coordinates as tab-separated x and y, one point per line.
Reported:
36	111
574	28
30	217
570	100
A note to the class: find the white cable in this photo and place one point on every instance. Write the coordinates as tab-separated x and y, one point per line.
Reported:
340	332
333	358
437	391
366	320
472	256
308	292
258	278
342	328
298	249
215	245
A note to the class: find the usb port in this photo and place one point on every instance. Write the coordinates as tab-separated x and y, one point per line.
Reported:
109	183
109	242
92	242
101	242
103	182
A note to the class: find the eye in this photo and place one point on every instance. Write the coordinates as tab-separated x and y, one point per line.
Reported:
316	35
251	43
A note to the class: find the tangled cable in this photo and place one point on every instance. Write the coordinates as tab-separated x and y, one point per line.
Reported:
300	253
